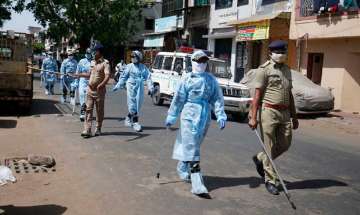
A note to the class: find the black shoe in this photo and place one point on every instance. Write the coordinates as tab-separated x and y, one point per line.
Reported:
204	196
259	166
271	188
97	132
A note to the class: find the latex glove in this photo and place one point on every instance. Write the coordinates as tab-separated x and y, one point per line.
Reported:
115	88
222	124
170	121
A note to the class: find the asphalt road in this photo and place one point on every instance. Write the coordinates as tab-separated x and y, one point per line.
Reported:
115	173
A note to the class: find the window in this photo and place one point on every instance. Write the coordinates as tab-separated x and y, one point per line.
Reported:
188	64
201	2
170	7
223	48
221	4
242	2
158	62
178	65
267	2
168	63
5	53
219	69
149	24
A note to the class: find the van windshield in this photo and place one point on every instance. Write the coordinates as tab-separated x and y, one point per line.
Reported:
219	69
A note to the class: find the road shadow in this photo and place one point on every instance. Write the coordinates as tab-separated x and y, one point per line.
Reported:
314	116
314	184
44	106
153	128
8	123
115	118
38	210
120	133
216	182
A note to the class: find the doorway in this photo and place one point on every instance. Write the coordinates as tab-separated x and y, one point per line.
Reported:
314	67
223	49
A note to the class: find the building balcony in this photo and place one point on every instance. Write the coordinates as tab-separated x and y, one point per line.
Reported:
312	20
323	8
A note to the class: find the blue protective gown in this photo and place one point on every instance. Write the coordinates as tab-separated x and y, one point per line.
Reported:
49	64
134	76
196	95
83	67
68	66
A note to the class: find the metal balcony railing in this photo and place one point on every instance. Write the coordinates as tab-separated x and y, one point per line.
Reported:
307	8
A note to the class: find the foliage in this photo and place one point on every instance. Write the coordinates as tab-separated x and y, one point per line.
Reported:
5	11
38	48
112	22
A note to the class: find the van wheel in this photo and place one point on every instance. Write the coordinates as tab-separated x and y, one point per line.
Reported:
156	99
240	117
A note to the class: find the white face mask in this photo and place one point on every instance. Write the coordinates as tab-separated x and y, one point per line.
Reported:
198	67
278	58
71	57
134	60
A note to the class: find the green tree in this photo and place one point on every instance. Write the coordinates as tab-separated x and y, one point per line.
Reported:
112	22
38	48
5	8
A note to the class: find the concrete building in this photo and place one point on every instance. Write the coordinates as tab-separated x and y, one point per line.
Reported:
328	48
240	31
183	22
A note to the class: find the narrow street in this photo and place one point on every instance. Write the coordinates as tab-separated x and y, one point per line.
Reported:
115	173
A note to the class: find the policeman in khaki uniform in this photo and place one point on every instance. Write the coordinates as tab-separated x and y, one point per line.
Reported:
98	77
275	103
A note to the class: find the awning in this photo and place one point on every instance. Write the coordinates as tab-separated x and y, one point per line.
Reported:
221	33
258	18
157	33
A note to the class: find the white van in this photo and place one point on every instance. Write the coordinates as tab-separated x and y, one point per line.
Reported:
169	67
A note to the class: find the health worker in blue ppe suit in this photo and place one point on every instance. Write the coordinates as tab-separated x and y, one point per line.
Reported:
83	67
197	94
48	69
67	69
134	76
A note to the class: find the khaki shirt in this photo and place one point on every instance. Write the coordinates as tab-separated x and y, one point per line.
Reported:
98	70
276	82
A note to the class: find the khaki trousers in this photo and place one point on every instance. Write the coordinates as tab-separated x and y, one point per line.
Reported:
275	128
94	100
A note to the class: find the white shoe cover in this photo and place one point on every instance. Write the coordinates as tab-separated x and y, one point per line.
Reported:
197	184
137	127
127	122
72	100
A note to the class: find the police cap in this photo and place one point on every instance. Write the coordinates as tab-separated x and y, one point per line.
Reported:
278	45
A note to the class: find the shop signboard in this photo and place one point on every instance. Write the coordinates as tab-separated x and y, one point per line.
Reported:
253	31
154	41
167	24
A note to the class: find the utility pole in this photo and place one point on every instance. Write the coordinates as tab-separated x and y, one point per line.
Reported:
179	11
